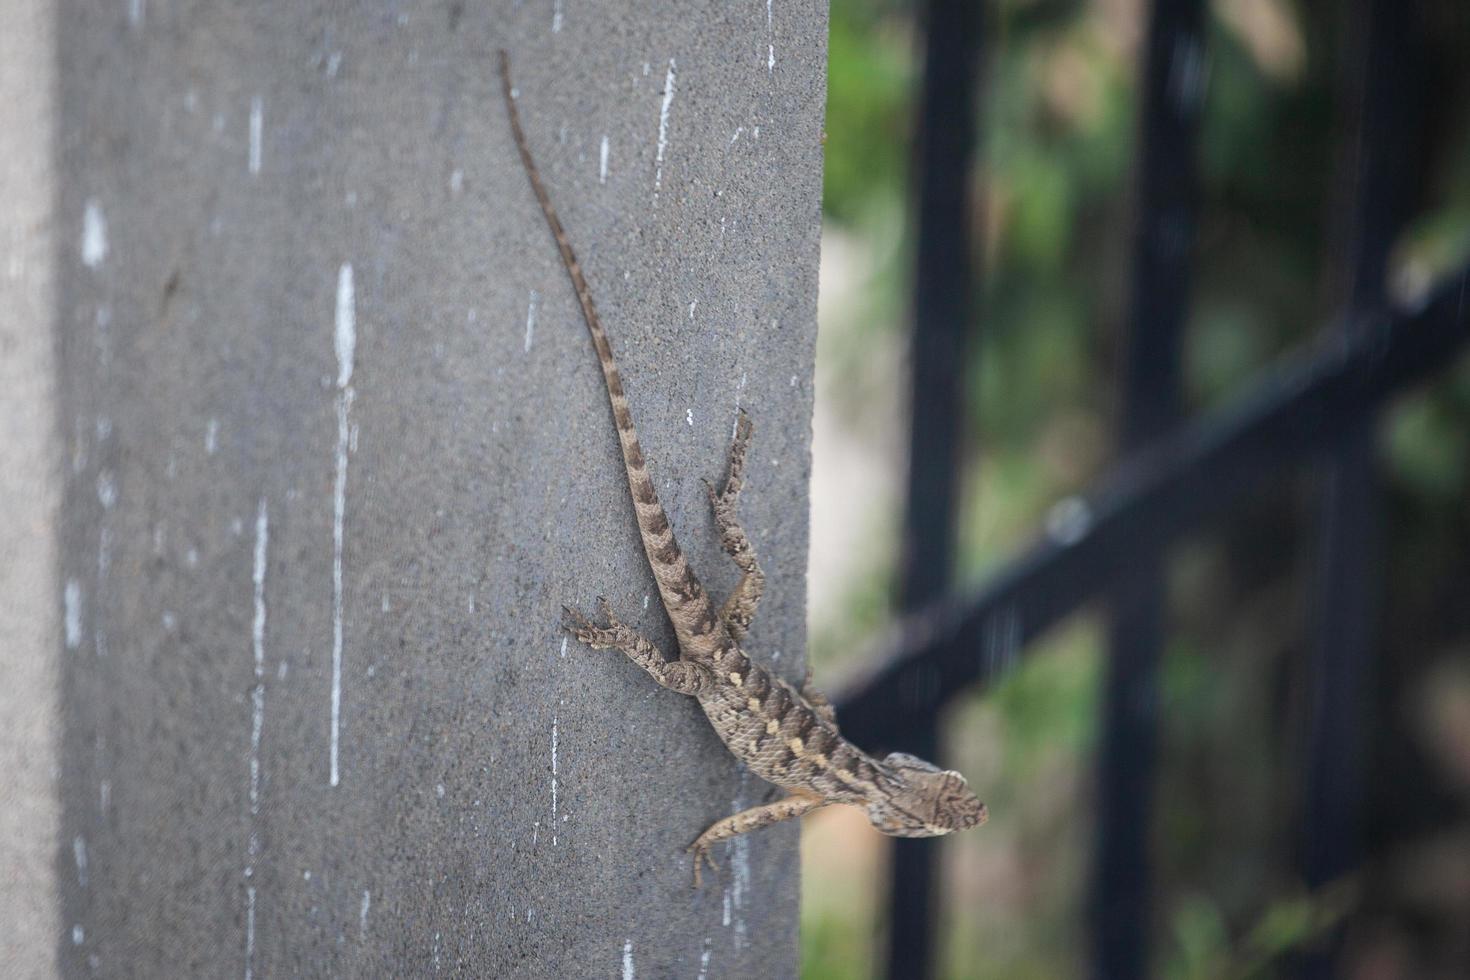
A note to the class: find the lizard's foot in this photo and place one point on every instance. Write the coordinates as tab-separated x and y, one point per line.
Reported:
597	637
702	856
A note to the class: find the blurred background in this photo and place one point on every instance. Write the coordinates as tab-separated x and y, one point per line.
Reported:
1054	198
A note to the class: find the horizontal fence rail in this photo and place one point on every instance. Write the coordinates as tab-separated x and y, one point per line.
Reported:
1300	409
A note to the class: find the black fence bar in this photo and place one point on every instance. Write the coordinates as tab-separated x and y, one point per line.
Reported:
1302	408
1173	83
943	293
1378	154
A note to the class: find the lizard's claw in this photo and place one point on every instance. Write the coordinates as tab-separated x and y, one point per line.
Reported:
605	609
701	856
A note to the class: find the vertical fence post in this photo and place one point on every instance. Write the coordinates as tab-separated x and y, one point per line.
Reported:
1378	146
943	296
1173	84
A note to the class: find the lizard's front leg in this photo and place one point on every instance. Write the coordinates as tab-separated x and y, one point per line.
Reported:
683	676
739	609
747	820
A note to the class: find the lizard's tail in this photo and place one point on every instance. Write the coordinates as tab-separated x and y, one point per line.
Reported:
677	585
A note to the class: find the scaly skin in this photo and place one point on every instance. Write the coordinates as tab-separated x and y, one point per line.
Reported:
784	735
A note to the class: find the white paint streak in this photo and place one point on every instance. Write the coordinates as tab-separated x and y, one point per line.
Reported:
689	416
556	16
553	778
78	935
94	234
249	931
257	638
345	341
602	162
72	600
135	13
211	437
770	58
531	319
663	129
704	961
628	959
692	307
362	913
740	866
79	854
564	646
345	338
257	117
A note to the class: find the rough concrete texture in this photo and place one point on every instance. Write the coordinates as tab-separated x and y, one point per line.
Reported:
30	492
335	431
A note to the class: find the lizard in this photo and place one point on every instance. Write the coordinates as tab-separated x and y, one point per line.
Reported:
784	734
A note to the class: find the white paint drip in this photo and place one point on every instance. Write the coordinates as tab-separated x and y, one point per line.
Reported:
704	961
770	48
663	129
456	181
94	234
345	338
689	416
628	959
692	307
564	646
362	913
78	935
104	796
531	319
257	117
72	601
602	162
135	13
556	16
249	931
345	342
257	639
553	778
740	866
211	437
79	854
736	137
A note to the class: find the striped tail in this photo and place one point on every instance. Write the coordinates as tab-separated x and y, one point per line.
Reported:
683	597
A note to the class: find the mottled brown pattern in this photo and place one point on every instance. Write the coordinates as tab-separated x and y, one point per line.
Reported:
785	736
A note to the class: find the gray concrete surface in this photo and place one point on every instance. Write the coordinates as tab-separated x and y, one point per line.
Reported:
290	484
30	492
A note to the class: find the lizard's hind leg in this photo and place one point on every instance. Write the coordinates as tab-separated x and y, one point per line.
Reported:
683	676
740	608
747	820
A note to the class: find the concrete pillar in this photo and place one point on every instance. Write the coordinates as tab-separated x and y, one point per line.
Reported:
337	450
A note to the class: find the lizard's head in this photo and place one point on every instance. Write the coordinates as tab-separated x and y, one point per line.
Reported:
927	801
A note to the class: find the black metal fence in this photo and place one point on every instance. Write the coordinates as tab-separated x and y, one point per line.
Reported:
1318	408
